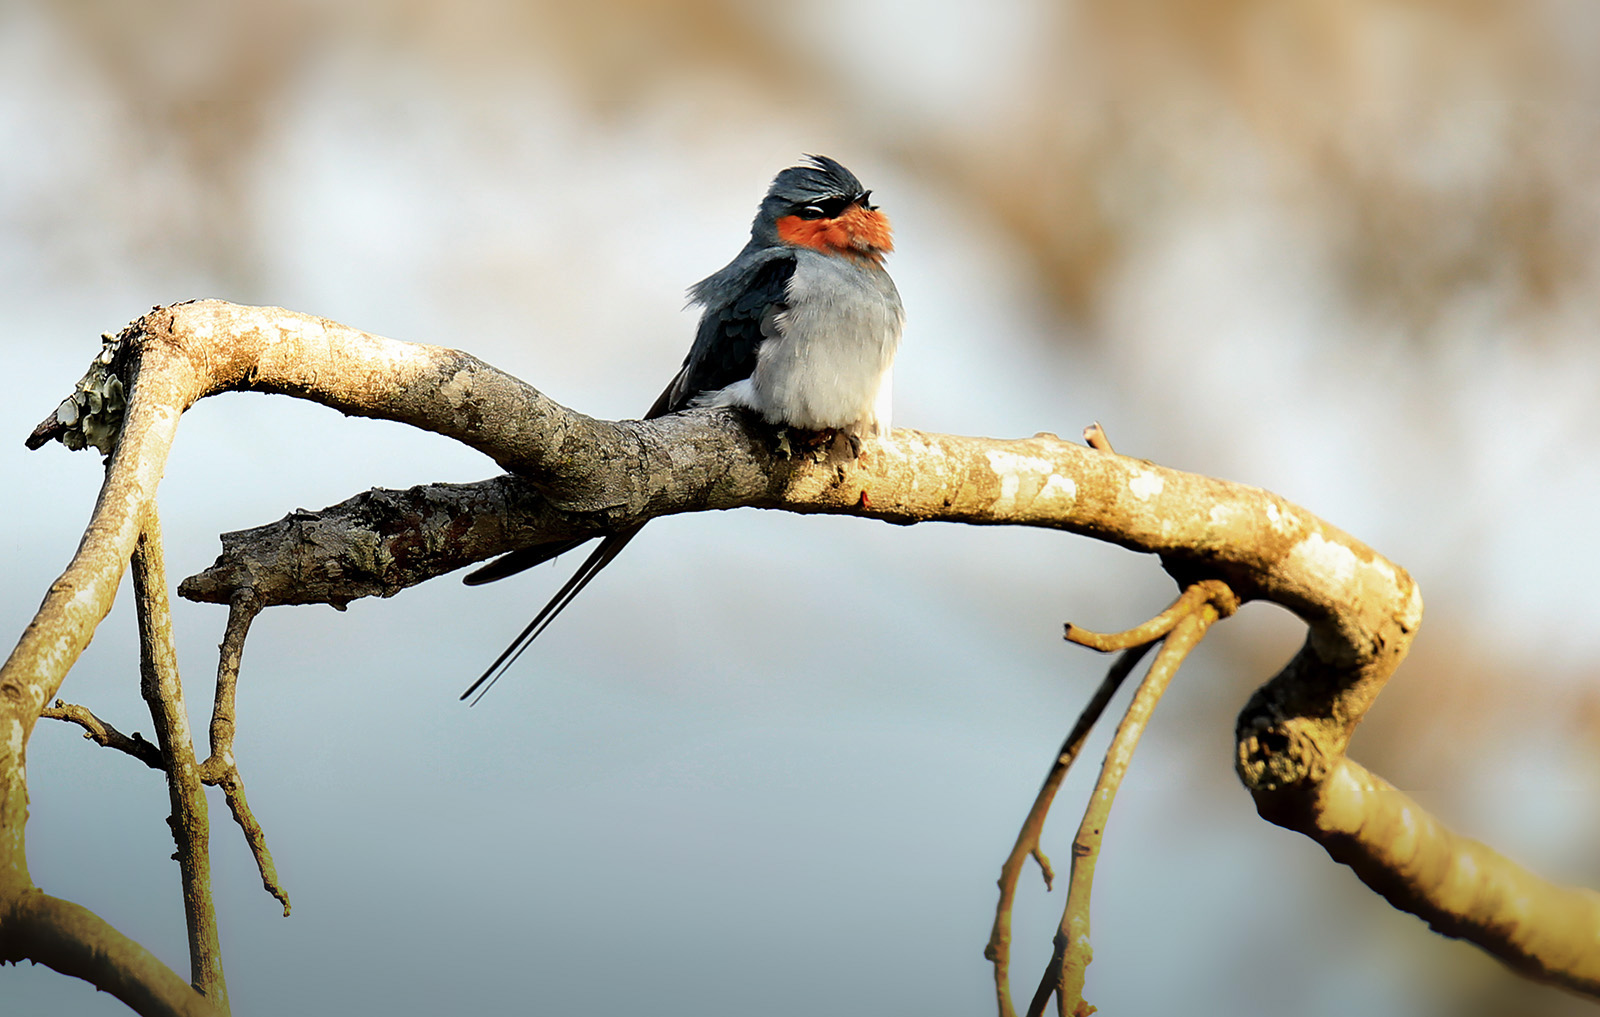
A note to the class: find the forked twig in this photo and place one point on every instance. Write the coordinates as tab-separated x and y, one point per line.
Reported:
999	949
1064	975
1182	626
1152	630
220	769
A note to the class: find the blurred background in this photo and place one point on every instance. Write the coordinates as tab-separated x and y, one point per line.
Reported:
1346	250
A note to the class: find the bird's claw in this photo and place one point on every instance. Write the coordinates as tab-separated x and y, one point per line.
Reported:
818	445
822	444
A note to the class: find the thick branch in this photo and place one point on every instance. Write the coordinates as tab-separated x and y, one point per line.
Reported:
589	476
75	941
1460	887
62	934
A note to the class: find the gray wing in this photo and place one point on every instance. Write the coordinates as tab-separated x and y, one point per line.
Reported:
724	351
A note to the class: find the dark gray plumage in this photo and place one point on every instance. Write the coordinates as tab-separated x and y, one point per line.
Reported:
801	327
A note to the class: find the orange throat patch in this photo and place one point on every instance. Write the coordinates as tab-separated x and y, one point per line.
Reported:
857	231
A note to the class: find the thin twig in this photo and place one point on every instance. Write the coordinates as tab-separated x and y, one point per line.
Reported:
163	691
1064	976
999	949
102	733
221	769
1153	629
1135	643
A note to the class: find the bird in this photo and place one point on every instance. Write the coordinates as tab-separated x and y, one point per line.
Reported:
801	328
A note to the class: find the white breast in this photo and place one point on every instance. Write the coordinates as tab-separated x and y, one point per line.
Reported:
828	366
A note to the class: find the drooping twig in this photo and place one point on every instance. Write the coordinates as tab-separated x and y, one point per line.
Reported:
220	769
1135	643
102	733
999	949
1064	976
162	690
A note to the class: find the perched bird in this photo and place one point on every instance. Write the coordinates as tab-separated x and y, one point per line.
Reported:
800	327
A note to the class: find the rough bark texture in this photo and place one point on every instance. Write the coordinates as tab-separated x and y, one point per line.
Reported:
584	476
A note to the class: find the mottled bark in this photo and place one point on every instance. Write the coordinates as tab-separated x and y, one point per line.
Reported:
578	475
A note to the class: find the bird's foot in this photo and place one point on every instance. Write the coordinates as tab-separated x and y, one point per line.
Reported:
819	444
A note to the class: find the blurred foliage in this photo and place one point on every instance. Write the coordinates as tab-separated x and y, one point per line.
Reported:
1439	149
1438	157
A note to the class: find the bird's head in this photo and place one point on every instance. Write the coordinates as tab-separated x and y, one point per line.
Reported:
821	205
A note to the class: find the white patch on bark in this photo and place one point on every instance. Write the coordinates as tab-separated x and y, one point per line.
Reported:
1061	487
1321	556
1146	485
1014	469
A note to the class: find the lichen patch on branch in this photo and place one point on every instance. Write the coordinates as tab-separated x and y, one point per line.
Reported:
1145	485
576	476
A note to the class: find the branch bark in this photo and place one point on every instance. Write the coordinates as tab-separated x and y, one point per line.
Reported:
190	822
585	476
1180	628
220	768
75	941
998	950
104	734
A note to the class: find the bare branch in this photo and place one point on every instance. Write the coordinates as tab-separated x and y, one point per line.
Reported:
1207	599
62	934
998	951
220	769
1459	886
75	941
162	690
374	544
587	476
102	733
1152	630
1199	606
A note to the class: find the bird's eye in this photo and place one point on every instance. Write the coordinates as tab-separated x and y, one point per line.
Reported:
827	208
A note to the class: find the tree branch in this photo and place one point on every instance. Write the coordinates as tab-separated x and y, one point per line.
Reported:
102	733
1180	627
34	926
998	950
586	476
191	827
75	941
220	769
